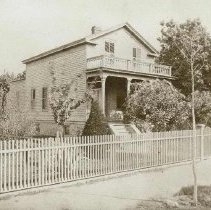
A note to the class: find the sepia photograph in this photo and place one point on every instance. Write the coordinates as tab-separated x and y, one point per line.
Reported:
105	105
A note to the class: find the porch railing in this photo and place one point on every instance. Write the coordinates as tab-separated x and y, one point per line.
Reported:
129	65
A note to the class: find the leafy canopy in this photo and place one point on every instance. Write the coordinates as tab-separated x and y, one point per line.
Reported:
64	98
183	44
158	106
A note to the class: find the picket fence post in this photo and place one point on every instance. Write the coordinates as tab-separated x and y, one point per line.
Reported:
202	141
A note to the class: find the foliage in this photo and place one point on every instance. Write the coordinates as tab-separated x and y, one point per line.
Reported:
4	89
193	43
16	125
181	43
157	106
64	98
96	123
21	75
203	107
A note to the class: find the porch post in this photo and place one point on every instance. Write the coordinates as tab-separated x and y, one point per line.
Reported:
128	85
103	81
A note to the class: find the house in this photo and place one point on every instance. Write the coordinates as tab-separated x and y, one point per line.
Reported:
111	59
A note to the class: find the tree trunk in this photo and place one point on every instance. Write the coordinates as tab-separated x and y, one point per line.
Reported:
195	200
60	131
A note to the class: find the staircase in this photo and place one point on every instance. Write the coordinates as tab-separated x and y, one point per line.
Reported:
121	129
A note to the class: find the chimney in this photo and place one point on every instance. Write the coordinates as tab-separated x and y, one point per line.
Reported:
95	29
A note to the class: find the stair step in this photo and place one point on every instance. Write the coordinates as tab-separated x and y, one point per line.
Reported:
123	129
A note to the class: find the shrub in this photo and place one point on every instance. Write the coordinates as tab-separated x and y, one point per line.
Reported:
157	106
17	125
96	123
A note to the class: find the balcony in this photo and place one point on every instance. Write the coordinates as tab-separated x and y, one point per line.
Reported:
128	65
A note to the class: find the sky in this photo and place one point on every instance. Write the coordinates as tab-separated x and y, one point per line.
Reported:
29	27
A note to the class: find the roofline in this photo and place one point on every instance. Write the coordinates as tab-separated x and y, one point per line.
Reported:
58	49
88	40
131	30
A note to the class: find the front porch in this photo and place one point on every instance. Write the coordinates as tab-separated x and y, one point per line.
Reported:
111	92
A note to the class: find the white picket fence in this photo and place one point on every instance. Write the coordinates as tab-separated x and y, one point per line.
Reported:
38	162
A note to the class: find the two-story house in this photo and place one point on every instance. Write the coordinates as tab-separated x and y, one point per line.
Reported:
110	60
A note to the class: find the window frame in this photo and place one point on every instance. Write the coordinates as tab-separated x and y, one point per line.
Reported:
109	47
136	53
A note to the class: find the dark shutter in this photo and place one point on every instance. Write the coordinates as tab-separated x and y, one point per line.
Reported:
134	52
107	46
112	47
44	98
33	97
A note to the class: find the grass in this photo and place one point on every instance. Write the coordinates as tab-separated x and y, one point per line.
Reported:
204	194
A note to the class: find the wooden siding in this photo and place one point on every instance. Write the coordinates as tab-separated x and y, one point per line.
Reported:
124	42
66	65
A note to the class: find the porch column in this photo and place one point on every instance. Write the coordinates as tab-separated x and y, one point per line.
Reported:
128	85
103	81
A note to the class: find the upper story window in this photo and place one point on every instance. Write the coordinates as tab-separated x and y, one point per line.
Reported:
33	98
44	98
109	47
137	53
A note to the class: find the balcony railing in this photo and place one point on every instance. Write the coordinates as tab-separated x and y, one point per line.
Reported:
129	65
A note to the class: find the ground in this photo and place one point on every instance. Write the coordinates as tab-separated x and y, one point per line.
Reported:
141	191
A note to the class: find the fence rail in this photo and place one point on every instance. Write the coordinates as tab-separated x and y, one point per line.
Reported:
38	162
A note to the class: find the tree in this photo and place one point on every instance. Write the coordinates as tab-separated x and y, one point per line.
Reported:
203	107
171	55
5	80
64	99
192	42
96	123
157	106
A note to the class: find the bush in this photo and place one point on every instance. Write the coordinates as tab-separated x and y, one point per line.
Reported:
157	106
96	123
16	125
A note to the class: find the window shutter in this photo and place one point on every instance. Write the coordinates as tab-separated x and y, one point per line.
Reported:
107	46
44	98
112	47
134	52
33	96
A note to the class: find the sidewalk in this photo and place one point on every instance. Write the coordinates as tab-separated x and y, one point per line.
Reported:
113	194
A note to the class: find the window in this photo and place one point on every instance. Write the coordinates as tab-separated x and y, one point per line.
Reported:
136	53
44	98
33	97
109	47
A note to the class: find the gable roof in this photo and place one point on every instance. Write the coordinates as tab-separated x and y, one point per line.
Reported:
130	29
90	40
